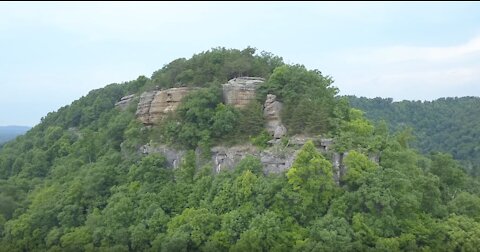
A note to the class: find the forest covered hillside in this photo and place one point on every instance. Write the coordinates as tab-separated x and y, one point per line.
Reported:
450	125
229	150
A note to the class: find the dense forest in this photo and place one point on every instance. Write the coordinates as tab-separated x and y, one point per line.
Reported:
78	182
450	125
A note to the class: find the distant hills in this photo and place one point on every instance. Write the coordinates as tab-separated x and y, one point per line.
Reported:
8	133
450	125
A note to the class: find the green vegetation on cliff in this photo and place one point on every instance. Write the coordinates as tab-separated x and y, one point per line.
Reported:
78	182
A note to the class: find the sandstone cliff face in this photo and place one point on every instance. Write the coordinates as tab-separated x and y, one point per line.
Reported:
143	108
271	113
240	91
154	105
124	102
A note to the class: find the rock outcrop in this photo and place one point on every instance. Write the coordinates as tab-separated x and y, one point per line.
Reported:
238	92
124	102
326	143
241	91
228	157
143	108
173	156
276	162
271	112
154	105
273	161
339	167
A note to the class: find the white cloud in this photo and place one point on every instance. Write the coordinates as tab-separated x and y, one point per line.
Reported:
410	72
429	54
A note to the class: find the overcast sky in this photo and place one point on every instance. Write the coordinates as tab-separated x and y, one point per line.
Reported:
52	53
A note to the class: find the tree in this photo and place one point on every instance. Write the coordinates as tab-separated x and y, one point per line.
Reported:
311	183
452	177
191	229
358	167
265	234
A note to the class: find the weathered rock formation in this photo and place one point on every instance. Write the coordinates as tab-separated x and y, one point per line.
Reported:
339	167
154	105
124	102
273	161
271	113
228	157
173	156
240	91
326	143
143	108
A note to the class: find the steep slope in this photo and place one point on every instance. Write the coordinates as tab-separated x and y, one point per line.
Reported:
96	176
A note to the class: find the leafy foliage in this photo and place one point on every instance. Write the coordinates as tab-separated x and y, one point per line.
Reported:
447	124
217	65
77	182
308	96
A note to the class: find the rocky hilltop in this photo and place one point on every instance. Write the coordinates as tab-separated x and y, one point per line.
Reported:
155	104
238	92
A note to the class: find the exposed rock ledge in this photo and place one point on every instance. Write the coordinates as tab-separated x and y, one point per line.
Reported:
154	105
240	91
275	159
228	157
124	102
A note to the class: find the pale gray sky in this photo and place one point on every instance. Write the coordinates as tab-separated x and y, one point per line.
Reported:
52	53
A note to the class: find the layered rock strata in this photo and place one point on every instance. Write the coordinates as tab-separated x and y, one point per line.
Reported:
241	91
154	105
124	102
